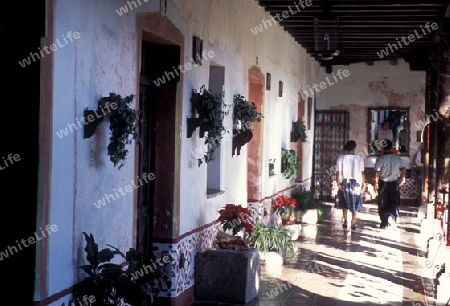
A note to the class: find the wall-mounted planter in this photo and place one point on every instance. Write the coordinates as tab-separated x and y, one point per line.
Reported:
240	138
210	109
298	131
92	118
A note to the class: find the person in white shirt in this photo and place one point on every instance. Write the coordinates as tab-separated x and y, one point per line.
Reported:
403	137
385	132
351	181
389	178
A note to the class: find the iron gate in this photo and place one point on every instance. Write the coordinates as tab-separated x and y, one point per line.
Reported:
331	129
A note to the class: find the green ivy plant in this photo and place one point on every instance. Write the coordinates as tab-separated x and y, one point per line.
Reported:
299	131
289	163
123	124
244	110
211	107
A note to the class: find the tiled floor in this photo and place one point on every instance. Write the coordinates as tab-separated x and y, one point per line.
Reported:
333	266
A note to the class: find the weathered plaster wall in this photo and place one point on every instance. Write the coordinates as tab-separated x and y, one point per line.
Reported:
103	60
379	85
100	61
225	27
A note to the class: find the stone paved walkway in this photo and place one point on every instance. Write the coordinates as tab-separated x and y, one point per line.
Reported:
332	266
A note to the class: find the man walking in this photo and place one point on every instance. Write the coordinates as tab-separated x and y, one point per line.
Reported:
389	177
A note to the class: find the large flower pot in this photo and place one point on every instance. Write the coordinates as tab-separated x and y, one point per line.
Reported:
227	276
308	216
295	230
273	262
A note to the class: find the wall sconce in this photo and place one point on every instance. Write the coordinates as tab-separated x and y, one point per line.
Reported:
92	118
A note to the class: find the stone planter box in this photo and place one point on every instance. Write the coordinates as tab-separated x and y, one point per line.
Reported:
227	276
310	216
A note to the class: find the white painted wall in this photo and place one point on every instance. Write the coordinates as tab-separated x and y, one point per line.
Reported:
225	28
104	60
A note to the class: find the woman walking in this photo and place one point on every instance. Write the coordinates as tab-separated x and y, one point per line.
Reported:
351	181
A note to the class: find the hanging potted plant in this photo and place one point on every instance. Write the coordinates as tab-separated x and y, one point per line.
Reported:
123	124
298	131
210	108
289	163
244	114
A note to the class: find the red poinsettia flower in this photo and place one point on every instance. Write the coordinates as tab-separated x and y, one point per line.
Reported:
283	204
236	218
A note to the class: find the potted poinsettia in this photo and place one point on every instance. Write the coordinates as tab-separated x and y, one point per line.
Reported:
284	206
234	218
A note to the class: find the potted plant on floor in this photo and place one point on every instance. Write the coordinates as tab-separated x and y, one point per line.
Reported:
107	283
230	271
272	242
309	209
284	206
236	219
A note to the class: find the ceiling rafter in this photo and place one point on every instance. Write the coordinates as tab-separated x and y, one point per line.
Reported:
365	28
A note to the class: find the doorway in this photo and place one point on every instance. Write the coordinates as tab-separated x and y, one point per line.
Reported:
158	87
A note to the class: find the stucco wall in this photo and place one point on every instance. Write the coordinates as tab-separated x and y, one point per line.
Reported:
379	85
104	59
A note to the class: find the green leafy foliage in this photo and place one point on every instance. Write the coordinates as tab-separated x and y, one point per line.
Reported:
289	163
270	238
212	109
306	200
299	130
113	284
244	110
123	124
